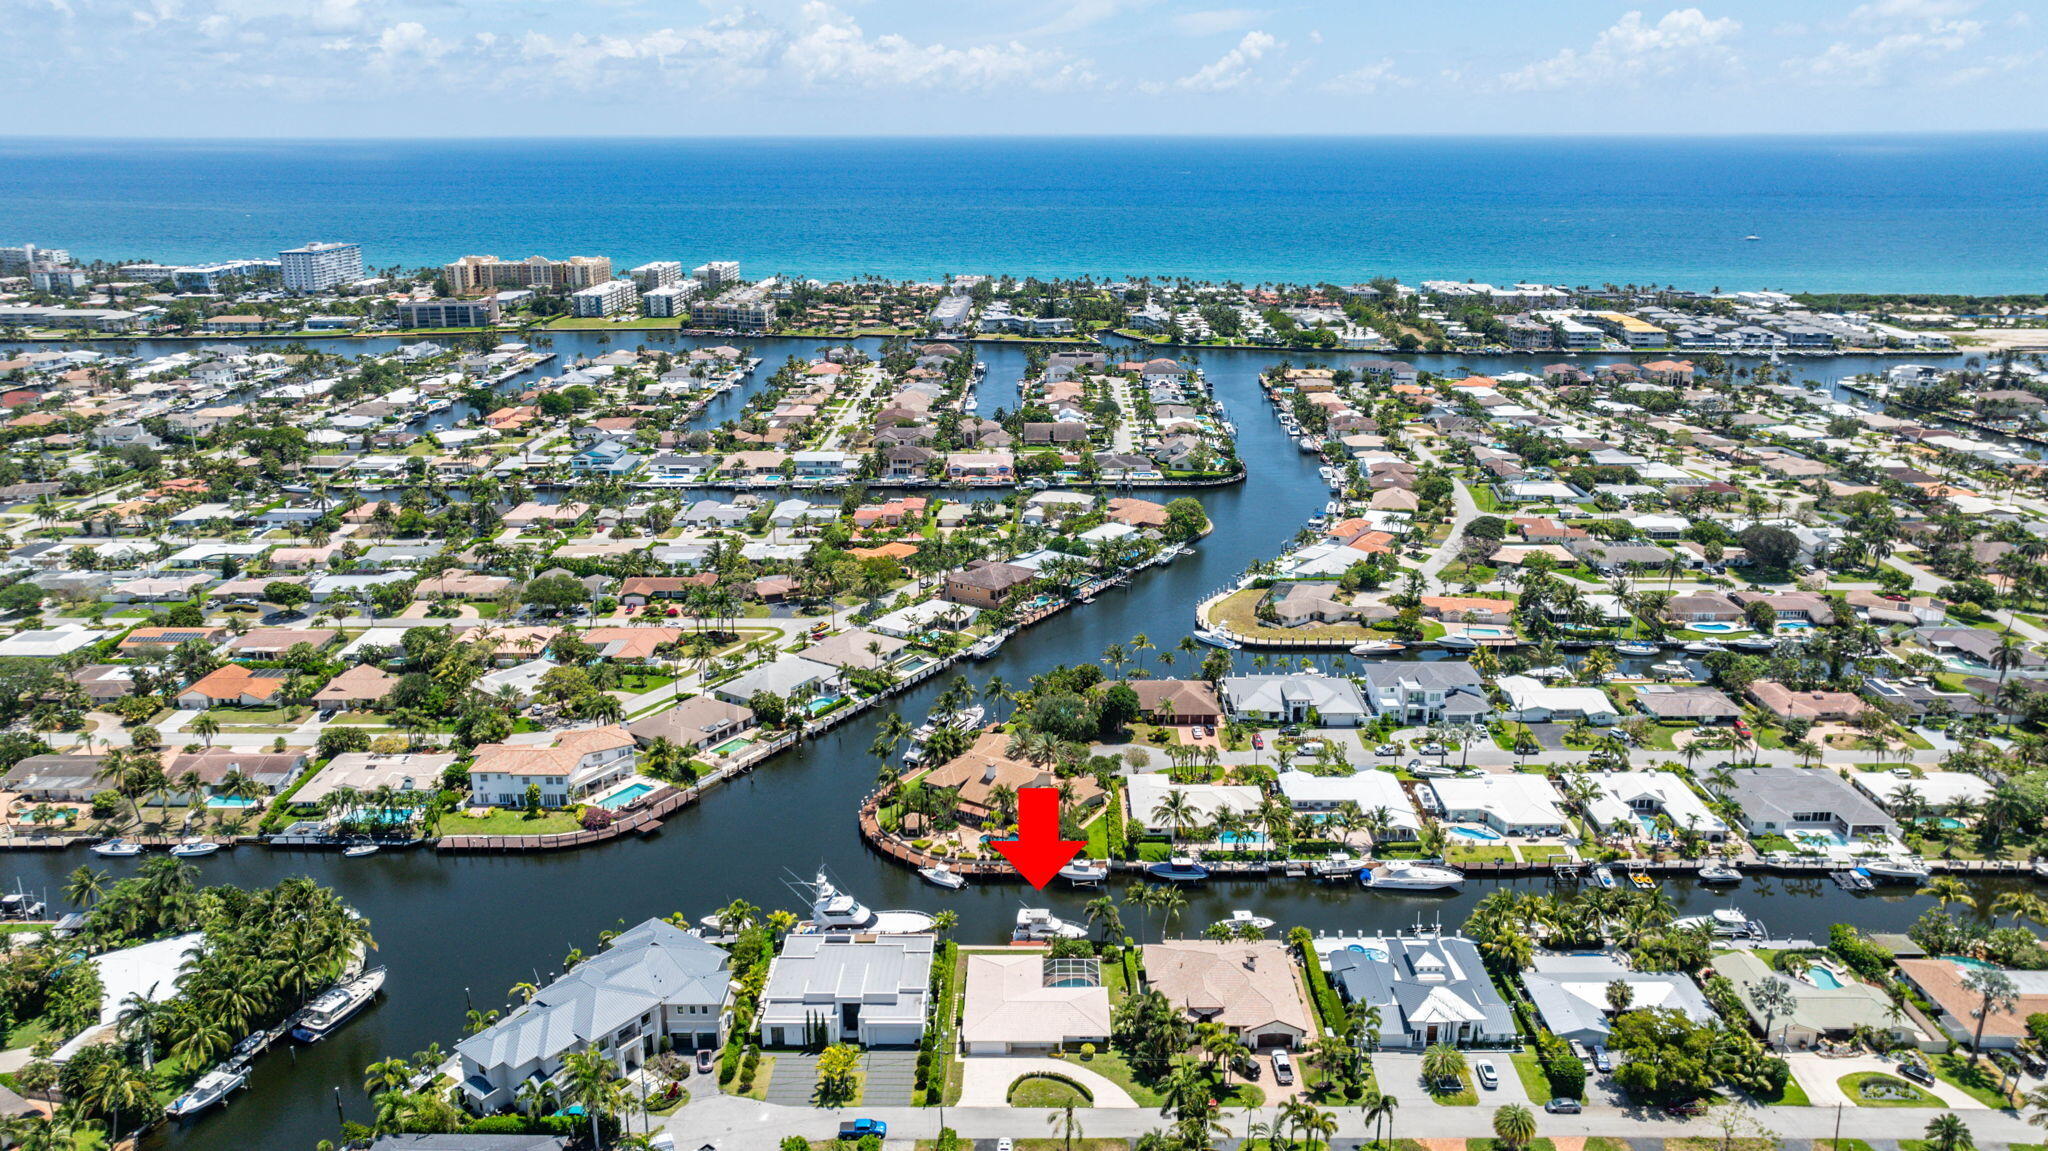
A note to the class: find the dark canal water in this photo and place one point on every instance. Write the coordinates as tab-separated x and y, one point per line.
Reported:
461	930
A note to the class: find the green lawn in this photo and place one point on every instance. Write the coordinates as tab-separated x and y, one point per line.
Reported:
762	1074
1529	1070
1047	1091
1533	852
1111	1066
1851	1145
1852	1087
243	716
1792	1096
1467	1094
1459	853
501	822
27	1033
1981	1082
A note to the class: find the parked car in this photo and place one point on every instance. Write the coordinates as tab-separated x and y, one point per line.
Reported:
1916	1070
1488	1077
1283	1069
1006	1144
1563	1107
1247	1068
706	1059
1258	741
862	1128
1434	749
1386	749
1603	1061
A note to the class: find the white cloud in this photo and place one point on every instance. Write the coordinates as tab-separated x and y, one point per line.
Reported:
1633	50
1235	68
1367	79
1215	21
832	49
1892	41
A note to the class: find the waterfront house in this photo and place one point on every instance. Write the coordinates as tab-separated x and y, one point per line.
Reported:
1533	701
1570	994
1146	790
1514	804
975	775
1941	982
1249	988
1178	702
1371	790
1937	791
1029	1004
656	987
873	990
1630	801
1414	693
1790	801
364	772
1818	1012
983	584
1818	706
693	724
574	764
55	778
1429	989
784	677
1679	702
1294	698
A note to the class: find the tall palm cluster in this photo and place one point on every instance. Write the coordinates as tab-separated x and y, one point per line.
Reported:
261	955
1509	925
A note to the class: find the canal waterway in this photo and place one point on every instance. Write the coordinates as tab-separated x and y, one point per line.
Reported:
459	931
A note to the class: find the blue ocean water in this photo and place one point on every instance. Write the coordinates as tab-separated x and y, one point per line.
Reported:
1945	213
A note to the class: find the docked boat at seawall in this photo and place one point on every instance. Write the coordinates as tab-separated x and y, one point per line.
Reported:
117	849
1242	919
1603	875
834	910
1403	875
1458	643
1084	872
939	875
1754	643
1727	922
985	647
1671	669
1040	925
1179	869
1705	647
1637	650
194	848
211	1088
1897	869
1335	867
337	1005
1216	639
1377	647
1720	872
358	850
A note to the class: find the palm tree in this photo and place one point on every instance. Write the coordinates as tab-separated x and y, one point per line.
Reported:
140	1018
1064	1122
1514	1125
1947	889
592	1080
1171	903
1382	1109
85	886
1443	1066
206	727
1101	911
386	1075
1947	1133
1175	810
1996	994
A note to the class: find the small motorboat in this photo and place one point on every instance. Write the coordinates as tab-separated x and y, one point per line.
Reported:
337	1005
1755	643
1603	875
1705	646
1216	639
1376	647
117	849
1855	879
1548	673
194	848
1725	921
1243	918
1403	875
1642	881
1671	669
985	647
1178	869
358	850
1084	872
1339	866
1458	643
1719	871
1040	925
211	1088
939	875
1636	650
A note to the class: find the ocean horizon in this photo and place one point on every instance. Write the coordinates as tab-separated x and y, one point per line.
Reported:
1964	213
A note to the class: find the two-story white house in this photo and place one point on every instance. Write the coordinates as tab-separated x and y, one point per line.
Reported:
655	982
574	765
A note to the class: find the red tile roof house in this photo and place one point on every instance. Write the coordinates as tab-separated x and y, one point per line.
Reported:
234	684
1179	701
577	764
986	585
1785	703
637	591
359	687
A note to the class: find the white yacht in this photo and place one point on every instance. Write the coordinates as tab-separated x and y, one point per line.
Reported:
1040	925
939	875
834	910
211	1088
117	849
1724	921
1243	918
1720	871
1376	647
1603	875
1216	639
985	647
1897	869
1402	875
965	719
337	1005
194	848
1083	872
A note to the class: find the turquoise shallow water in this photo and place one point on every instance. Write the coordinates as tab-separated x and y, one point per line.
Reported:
1954	213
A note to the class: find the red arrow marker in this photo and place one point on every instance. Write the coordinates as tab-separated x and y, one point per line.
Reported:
1038	852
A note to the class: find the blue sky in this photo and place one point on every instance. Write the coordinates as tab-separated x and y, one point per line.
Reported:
366	68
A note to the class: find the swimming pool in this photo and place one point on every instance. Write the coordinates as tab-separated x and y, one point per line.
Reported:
1714	627
1966	961
1821	977
1818	838
1483	834
825	703
624	796
1788	625
229	801
1488	631
1233	838
1373	953
731	745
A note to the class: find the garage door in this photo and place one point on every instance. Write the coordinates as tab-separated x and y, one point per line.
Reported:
1274	1039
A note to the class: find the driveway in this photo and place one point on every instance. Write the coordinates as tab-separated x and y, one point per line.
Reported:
1550	735
891	1076
1821	1079
985	1079
795	1079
